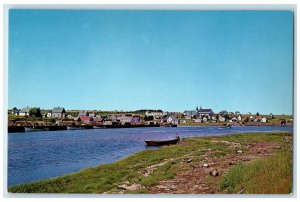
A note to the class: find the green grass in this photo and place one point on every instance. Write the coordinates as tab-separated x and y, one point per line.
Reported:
107	178
272	175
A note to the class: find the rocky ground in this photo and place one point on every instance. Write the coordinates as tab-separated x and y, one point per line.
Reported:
203	177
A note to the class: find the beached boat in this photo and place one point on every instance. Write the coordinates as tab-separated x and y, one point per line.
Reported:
161	142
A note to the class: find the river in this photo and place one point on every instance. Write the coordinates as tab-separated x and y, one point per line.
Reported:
39	155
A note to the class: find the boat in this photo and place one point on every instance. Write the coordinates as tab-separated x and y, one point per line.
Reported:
97	127
33	129
156	143
74	128
225	126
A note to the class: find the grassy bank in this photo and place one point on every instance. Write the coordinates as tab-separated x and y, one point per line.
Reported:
272	175
140	172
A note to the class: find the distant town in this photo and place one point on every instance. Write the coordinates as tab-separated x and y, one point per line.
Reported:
34	118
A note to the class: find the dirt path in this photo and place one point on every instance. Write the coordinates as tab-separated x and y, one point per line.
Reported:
203	177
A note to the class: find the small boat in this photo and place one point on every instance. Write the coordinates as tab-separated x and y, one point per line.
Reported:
74	128
156	143
33	129
225	126
97	127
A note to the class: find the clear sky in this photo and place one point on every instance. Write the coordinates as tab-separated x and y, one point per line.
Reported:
169	60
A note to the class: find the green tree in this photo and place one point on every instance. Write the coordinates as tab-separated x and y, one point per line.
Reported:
35	112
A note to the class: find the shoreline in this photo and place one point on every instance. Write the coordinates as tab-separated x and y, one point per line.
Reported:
144	171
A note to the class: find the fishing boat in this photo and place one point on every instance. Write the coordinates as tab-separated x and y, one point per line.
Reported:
156	143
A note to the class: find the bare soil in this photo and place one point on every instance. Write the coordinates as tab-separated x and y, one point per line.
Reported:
203	177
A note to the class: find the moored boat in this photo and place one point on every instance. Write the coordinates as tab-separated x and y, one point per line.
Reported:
33	129
162	142
74	128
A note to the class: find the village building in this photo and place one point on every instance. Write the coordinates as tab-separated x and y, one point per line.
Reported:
205	112
198	120
223	112
58	112
155	114
135	119
222	119
93	114
172	120
124	119
263	120
204	119
86	119
15	111
83	113
98	120
24	111
239	118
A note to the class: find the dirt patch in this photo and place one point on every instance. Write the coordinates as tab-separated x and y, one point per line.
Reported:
203	177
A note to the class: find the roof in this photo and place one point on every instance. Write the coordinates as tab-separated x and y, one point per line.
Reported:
25	110
86	118
58	110
205	110
98	119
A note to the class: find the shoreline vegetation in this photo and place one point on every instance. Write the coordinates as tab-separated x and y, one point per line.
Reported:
252	163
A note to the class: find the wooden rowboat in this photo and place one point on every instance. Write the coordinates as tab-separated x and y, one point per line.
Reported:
156	143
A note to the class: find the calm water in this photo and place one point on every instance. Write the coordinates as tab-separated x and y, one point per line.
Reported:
39	155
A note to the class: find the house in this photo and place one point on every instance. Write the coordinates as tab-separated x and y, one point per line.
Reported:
223	112
24	111
263	120
239	118
83	113
98	119
70	116
190	113
199	120
58	112
15	111
222	119
86	119
49	114
155	114
205	119
234	119
172	119
257	119
135	119
205	112
124	119
92	114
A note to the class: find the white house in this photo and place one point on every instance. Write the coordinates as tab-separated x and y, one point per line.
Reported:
239	118
221	118
263	120
198	120
172	120
24	111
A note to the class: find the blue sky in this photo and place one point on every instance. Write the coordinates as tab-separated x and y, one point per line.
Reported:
169	60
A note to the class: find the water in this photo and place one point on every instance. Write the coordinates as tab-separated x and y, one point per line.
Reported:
39	155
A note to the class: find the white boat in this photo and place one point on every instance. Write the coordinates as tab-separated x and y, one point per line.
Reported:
74	128
33	129
97	127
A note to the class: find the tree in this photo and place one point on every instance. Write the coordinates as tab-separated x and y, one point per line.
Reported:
257	114
35	112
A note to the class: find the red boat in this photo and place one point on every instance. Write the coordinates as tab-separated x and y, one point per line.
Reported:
156	143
